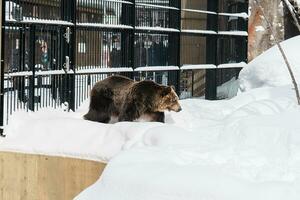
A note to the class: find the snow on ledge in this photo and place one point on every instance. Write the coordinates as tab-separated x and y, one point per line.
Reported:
156	6
15	74
236	33
41	21
232	65
200	66
54	72
242	15
29	73
100	25
199	11
199	31
104	70
156	68
119	1
147	28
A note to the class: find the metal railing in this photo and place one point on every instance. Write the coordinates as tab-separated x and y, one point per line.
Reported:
53	58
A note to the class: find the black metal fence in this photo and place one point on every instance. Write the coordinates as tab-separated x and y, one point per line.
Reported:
55	50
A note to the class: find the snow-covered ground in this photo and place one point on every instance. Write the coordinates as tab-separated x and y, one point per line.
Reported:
269	68
244	148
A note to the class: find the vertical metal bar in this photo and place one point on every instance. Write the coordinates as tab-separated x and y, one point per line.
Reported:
211	52
32	67
72	55
2	11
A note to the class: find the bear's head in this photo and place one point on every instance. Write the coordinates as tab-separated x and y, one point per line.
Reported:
169	100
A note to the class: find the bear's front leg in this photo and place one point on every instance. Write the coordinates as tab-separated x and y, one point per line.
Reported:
159	117
130	111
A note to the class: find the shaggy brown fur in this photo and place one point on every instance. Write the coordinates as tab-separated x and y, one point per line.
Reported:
121	97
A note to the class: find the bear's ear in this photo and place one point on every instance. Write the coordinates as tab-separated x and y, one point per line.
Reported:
173	87
167	90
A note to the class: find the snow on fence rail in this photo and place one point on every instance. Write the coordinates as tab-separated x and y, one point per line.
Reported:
199	11
200	66
156	68
232	65
29	20
199	31
241	15
104	70
148	28
156	6
100	25
234	33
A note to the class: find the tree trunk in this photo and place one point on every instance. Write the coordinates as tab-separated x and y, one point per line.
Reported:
290	29
260	37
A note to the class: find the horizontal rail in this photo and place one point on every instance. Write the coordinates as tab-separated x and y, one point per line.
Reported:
209	32
156	68
198	11
241	15
40	21
160	29
156	6
104	70
100	25
200	66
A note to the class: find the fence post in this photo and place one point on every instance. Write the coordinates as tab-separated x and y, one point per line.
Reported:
72	56
2	11
132	38
211	52
31	95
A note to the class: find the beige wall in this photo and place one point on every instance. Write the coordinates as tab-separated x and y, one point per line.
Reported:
193	47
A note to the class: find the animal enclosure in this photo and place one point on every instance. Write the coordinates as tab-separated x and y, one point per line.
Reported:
55	50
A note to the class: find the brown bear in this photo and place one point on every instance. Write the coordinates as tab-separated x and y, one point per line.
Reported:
127	100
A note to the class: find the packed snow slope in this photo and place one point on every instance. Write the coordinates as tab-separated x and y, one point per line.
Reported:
269	69
244	148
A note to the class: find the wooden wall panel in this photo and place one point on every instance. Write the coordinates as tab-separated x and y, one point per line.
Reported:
37	177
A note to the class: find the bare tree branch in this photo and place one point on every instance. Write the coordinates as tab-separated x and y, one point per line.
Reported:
282	52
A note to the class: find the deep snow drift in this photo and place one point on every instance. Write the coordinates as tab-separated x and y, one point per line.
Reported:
269	69
244	148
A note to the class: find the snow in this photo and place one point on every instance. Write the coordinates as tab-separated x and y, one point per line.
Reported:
235	33
259	28
95	69
199	11
242	15
261	72
244	148
156	68
148	28
232	65
200	66
99	25
156	6
41	21
198	31
247	147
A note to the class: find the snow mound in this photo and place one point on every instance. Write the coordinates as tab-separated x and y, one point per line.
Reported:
269	69
245	148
